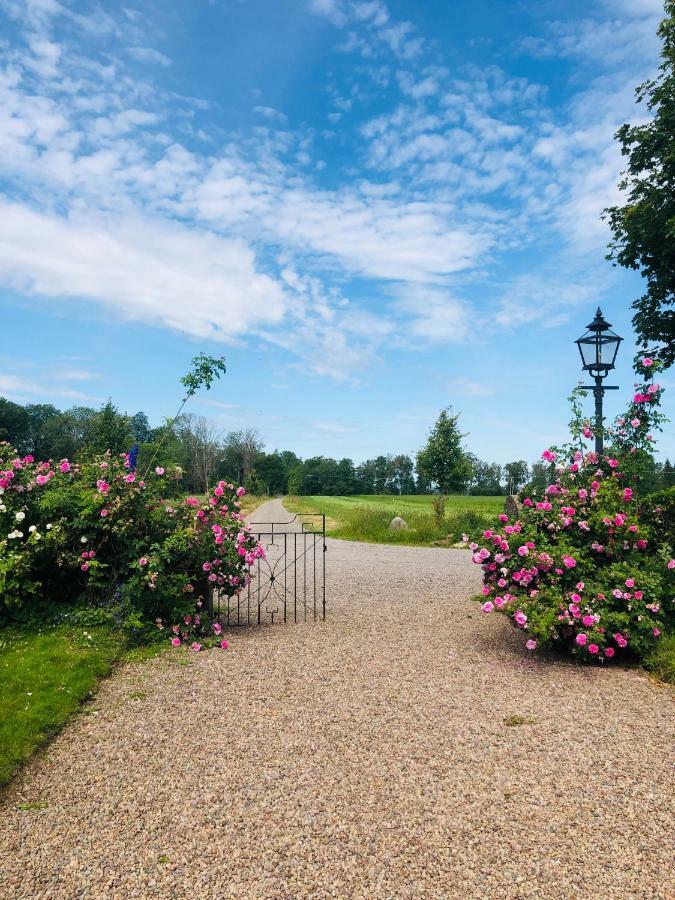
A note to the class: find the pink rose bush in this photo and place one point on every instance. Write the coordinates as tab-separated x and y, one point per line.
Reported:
597	579
94	534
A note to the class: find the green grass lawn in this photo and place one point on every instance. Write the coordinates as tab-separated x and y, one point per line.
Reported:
45	674
367	517
661	661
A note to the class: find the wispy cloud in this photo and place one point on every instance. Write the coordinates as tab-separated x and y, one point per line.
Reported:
334	428
466	387
22	389
108	198
149	55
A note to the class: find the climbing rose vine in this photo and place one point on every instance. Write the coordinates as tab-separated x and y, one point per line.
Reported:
581	566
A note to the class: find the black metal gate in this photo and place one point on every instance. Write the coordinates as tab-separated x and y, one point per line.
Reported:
289	585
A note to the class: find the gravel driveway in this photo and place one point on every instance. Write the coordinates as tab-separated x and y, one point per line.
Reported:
367	756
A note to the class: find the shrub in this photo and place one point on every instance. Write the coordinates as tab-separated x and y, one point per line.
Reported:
97	532
583	567
659	512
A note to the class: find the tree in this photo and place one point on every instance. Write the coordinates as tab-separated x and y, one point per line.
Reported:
140	427
295	481
401	479
486	478
202	449
109	430
13	424
644	227
380	467
516	474
240	452
540	476
365	477
39	416
63	434
443	460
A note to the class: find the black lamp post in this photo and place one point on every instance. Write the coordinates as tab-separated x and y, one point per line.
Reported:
598	348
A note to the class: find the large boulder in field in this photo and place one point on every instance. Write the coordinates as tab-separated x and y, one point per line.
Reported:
512	507
398	524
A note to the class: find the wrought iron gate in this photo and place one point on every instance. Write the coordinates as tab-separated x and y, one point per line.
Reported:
289	585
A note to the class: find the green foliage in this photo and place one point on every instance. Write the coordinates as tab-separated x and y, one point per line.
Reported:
439	510
644	227
658	511
205	370
516	475
661	659
443	460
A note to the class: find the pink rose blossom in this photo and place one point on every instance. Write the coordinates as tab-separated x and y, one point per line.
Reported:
488	606
581	639
647	362
593	648
196	647
531	644
175	642
609	652
143	561
224	645
159	470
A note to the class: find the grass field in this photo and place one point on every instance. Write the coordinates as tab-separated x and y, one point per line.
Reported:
367	517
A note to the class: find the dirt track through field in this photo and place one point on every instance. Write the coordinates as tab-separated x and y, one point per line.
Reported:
367	756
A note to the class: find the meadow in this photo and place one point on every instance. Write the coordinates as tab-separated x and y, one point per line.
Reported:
366	517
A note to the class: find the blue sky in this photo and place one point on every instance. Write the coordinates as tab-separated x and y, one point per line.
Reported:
373	210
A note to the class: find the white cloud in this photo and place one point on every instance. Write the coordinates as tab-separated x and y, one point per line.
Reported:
142	269
436	315
21	389
268	112
333	428
149	55
76	375
465	387
112	203
333	10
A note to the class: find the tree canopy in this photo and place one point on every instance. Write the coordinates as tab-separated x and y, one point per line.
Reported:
443	460
644	227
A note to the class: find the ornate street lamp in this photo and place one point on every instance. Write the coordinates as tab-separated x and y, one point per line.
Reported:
598	348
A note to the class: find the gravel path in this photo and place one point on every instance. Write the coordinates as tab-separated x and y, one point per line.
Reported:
367	756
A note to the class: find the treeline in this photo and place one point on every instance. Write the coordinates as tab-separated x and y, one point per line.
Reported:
207	454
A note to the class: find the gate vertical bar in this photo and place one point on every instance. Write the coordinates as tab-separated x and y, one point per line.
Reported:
323	560
285	575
